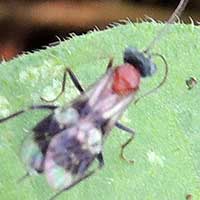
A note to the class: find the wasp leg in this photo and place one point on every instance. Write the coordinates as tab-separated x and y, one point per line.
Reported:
123	146
122	150
73	184
100	159
21	179
73	78
75	81
110	64
34	107
124	128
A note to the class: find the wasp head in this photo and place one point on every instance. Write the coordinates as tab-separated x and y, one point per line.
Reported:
141	62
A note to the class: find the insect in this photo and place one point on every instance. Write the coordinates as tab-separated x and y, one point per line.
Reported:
64	144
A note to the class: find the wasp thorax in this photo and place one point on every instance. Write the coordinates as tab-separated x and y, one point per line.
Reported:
144	64
126	79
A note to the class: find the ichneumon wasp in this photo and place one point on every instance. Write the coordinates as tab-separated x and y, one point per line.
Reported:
64	144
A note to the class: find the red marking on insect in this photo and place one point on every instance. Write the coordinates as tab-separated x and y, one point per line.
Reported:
126	79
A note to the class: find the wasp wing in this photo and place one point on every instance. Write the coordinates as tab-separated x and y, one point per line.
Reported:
70	154
32	155
35	145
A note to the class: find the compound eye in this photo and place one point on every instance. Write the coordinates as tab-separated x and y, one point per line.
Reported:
140	61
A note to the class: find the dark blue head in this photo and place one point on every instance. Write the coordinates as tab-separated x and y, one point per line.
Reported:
141	62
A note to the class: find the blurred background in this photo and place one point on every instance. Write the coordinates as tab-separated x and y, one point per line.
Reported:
28	25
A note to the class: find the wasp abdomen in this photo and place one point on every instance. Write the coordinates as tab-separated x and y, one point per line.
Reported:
70	154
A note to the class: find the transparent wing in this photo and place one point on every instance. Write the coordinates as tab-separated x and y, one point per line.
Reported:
67	159
31	155
35	145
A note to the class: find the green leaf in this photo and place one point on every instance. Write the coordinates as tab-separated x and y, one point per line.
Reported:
166	149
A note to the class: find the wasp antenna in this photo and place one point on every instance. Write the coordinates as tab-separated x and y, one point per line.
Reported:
162	81
175	15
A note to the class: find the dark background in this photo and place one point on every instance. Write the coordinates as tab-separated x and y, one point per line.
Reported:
28	25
